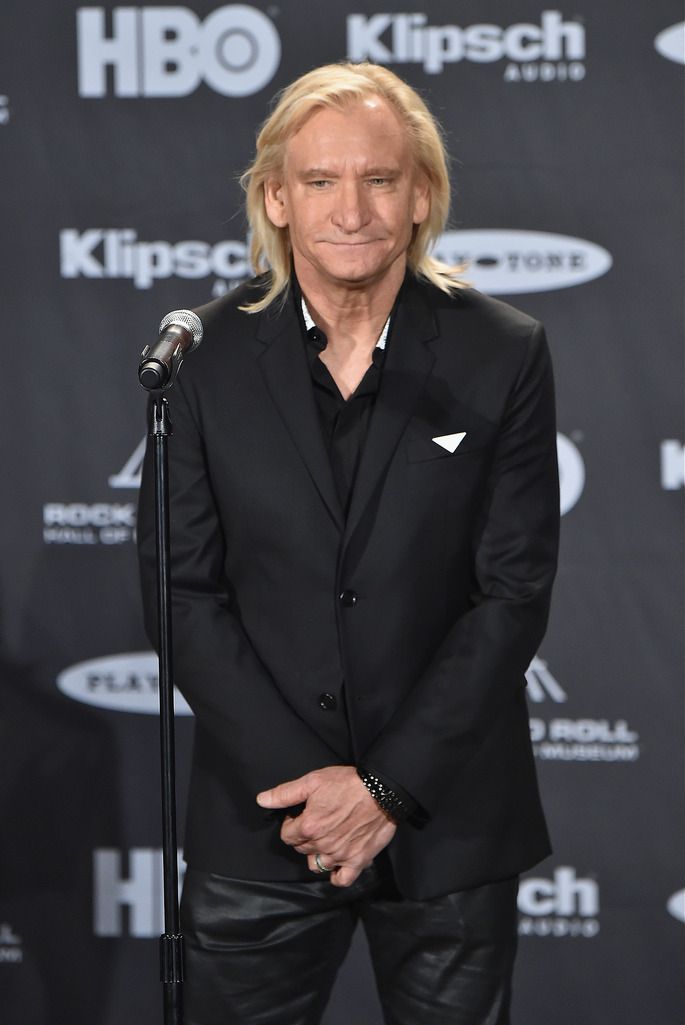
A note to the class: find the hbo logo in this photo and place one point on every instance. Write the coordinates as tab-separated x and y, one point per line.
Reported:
168	51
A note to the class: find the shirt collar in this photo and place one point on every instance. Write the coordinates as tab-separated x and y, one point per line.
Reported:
309	324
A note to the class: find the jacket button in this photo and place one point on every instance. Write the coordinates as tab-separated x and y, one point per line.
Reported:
328	702
348	598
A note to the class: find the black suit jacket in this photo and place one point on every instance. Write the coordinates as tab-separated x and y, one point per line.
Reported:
450	557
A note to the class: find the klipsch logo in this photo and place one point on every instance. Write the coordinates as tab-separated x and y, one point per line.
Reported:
119	253
565	905
671	43
122	683
128	891
503	262
553	50
169	51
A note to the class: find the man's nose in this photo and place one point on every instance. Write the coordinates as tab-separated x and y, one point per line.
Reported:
351	211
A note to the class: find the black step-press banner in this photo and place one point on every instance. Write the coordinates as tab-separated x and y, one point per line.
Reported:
123	133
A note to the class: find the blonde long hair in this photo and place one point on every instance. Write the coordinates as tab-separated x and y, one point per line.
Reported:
338	86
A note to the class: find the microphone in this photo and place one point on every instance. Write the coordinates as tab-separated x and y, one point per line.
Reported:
179	333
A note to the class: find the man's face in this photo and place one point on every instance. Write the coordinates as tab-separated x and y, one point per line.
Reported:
349	195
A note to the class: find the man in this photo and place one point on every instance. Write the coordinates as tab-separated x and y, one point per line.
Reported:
364	527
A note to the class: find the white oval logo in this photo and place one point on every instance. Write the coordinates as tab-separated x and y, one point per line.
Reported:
571	473
504	262
676	905
671	43
124	683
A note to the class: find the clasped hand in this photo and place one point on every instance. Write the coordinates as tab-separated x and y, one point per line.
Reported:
340	822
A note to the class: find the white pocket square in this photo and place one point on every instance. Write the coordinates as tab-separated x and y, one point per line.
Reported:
451	442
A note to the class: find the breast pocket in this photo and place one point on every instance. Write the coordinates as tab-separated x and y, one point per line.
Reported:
425	443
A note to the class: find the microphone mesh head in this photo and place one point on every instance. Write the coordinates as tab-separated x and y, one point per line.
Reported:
186	319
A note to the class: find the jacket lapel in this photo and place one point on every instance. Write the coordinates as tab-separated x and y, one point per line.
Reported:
283	363
407	365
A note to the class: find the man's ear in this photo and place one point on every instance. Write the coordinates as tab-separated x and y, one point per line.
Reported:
274	202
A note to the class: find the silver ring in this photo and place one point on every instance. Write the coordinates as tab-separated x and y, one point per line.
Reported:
319	866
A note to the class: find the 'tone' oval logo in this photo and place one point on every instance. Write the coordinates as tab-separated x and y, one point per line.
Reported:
123	683
671	43
502	262
676	905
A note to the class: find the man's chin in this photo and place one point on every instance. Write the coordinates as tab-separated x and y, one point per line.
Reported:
355	272
347	270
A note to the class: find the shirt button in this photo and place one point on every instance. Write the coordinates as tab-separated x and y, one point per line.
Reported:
327	701
348	599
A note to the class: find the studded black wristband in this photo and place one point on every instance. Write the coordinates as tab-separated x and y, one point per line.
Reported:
384	797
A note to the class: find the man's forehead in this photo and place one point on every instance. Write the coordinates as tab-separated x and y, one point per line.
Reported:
365	132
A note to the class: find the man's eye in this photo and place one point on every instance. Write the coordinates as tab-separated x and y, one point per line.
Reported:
379	181
320	183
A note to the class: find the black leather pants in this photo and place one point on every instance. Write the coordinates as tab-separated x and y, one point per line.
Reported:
267	953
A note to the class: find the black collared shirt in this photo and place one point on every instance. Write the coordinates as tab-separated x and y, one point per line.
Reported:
344	422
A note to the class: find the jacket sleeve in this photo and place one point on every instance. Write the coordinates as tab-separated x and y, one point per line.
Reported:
232	694
479	666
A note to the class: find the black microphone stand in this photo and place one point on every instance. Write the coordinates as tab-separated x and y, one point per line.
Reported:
171	942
